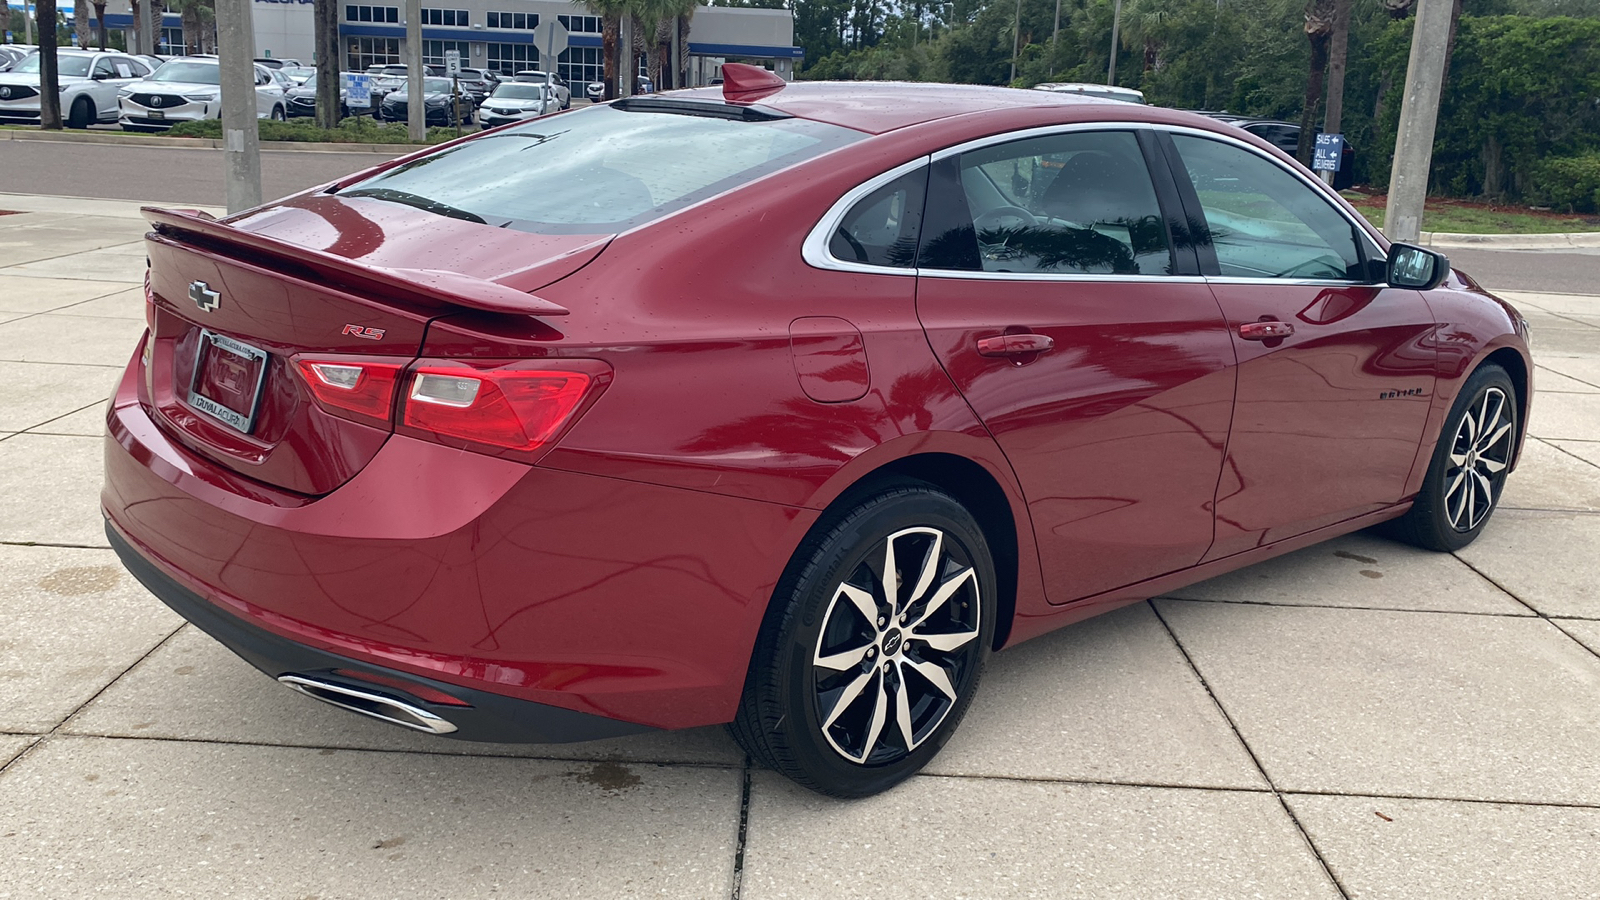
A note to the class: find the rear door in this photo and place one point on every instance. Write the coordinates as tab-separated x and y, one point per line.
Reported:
1336	369
1051	291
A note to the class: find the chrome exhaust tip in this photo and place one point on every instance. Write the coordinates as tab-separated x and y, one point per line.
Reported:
368	703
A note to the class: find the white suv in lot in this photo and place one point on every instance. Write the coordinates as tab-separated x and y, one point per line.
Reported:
89	83
187	89
554	83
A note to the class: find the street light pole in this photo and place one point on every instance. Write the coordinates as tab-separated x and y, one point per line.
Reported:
1419	114
416	112
241	142
1116	28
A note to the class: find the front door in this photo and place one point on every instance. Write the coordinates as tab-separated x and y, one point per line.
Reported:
1047	288
1336	372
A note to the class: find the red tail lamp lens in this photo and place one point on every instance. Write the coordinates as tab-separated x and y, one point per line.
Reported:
361	390
518	406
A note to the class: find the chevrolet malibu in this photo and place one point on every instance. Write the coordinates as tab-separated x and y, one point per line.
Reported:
780	406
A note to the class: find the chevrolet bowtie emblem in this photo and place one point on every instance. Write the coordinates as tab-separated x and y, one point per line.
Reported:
203	296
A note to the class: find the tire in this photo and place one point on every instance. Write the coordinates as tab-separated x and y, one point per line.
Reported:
278	115
82	114
1469	466
848	705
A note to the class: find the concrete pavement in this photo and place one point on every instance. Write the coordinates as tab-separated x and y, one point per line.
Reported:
1358	719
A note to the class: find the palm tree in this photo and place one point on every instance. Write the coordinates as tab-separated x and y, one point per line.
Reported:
1143	24
610	13
80	23
192	12
99	21
49	74
1320	15
325	37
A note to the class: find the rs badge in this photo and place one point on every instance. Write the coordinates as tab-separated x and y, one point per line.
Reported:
203	296
371	334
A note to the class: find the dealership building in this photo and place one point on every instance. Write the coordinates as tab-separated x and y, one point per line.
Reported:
497	35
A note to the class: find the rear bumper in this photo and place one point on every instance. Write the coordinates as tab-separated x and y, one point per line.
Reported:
486	717
608	598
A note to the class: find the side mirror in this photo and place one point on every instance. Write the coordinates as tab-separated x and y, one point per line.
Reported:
100	76
1416	267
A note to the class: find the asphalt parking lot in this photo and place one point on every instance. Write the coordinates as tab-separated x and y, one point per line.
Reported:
1357	719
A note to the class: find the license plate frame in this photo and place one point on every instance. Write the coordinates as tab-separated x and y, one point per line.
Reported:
157	114
240	421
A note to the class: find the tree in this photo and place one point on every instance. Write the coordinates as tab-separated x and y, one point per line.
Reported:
1338	56
325	38
49	74
610	13
80	23
1319	30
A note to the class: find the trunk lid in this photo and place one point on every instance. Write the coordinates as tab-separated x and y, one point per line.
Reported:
234	305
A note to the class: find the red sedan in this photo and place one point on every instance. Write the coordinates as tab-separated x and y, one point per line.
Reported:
781	405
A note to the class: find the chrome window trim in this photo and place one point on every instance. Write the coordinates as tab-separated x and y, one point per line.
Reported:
1316	186
815	248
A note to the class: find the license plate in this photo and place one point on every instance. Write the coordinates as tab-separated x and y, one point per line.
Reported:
157	114
227	380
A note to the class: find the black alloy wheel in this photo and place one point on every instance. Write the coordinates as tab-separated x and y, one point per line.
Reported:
874	647
1469	466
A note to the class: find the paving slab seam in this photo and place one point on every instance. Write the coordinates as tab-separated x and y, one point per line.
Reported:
35	362
37	740
221	742
1564	375
44	738
61	546
1546	509
1239	736
1547	620
31	429
737	890
1558	804
4	270
117	287
1563	450
1431	612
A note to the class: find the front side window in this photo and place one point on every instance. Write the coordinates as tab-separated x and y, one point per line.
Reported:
1079	203
1263	221
883	227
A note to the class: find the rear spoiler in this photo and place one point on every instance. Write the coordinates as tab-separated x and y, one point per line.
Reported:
430	286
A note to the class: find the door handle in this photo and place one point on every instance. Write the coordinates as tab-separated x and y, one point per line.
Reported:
1014	344
1265	331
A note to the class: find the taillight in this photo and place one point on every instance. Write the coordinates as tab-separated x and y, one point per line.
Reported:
513	408
357	388
149	304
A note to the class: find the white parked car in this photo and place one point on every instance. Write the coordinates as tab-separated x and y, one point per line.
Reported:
189	88
89	83
513	101
556	84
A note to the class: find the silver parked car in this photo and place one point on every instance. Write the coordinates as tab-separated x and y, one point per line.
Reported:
89	83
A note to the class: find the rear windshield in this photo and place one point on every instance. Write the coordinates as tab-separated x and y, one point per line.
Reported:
599	170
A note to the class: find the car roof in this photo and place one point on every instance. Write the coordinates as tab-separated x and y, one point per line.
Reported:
876	107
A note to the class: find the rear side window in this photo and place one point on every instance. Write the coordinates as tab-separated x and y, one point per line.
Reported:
602	169
1079	203
882	228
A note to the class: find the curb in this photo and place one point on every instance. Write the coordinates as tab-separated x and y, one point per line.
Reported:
203	143
1558	241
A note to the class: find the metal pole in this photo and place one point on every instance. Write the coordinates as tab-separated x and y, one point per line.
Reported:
1419	114
1016	39
416	111
241	142
627	63
1055	32
1116	28
27	21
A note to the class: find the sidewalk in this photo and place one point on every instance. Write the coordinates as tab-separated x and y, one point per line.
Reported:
1358	719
